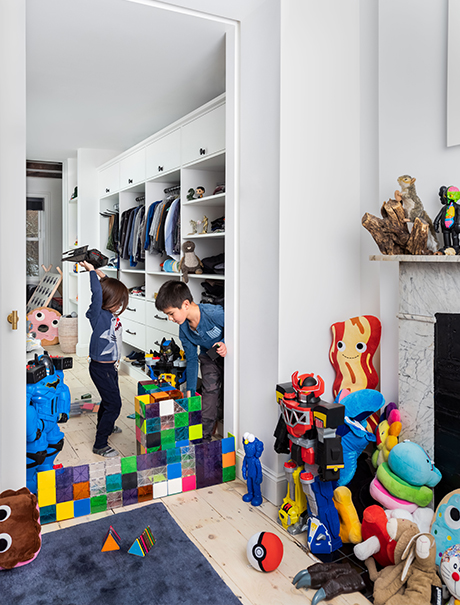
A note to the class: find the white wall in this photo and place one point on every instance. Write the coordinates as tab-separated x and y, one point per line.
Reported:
412	127
51	190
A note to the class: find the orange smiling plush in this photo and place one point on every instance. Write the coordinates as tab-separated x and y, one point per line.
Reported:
354	343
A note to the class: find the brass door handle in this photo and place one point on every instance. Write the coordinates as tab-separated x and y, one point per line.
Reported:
13	319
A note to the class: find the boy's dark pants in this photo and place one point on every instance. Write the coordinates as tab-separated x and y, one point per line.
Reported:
212	378
105	378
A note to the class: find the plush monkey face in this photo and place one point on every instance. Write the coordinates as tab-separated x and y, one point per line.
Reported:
19	528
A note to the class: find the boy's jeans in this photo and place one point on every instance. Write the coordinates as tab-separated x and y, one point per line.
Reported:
212	379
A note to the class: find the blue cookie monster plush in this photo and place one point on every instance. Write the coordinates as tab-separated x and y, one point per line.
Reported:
355	437
252	469
410	462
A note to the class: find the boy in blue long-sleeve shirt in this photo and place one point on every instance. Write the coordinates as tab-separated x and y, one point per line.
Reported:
200	326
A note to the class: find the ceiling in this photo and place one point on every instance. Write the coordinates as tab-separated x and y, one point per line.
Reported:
106	74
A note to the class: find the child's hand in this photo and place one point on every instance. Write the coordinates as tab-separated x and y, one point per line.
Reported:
221	348
86	265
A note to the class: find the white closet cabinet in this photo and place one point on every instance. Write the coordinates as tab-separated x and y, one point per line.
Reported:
163	155
203	136
188	154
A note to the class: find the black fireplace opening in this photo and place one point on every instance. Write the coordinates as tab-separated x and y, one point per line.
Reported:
447	402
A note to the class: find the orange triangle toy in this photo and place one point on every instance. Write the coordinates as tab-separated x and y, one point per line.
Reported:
111	541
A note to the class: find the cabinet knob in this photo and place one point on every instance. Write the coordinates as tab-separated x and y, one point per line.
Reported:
162	318
160	168
130	181
107	190
202	151
132	333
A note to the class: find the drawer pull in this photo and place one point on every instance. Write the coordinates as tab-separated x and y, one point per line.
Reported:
130	181
129	309
160	168
162	318
202	151
107	190
132	333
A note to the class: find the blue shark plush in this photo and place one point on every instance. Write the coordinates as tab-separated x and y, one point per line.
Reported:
358	407
410	462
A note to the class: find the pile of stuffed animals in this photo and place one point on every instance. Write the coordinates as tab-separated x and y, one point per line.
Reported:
411	552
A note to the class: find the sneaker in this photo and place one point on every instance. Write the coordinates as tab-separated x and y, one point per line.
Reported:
107	452
116	429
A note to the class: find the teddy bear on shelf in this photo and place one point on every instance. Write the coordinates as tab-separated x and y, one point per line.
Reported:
190	263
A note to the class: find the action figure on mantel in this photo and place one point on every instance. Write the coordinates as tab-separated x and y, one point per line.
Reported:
413	208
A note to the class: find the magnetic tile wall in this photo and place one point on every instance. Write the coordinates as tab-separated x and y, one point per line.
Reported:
179	466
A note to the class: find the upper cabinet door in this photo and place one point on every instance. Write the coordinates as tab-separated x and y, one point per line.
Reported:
163	155
204	136
109	180
132	169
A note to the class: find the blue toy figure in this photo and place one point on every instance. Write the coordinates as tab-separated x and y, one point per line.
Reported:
252	469
48	404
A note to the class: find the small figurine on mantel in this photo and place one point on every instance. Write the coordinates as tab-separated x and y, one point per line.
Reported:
449	219
413	208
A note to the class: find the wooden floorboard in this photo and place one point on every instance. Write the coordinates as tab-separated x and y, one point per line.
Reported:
215	519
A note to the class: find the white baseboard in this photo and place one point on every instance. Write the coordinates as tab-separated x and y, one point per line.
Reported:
137	373
274	486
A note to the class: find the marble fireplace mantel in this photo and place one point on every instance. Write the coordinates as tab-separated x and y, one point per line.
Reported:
427	285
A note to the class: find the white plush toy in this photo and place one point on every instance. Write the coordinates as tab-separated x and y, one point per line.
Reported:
450	572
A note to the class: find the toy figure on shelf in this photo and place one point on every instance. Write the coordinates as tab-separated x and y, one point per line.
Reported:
252	469
307	430
48	404
205	223
190	263
194	226
190	194
413	208
449	218
168	363
200	192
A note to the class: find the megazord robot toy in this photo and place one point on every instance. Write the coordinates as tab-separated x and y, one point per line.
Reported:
307	431
48	403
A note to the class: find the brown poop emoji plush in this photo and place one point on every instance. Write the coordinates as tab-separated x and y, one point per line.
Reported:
190	263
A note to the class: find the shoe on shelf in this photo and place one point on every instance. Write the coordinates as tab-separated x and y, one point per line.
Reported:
116	430
132	355
107	452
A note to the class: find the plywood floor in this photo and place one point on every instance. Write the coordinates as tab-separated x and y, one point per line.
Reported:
216	519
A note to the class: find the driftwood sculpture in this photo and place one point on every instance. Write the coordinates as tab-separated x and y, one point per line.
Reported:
391	233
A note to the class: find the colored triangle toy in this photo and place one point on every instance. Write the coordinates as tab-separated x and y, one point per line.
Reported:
142	545
111	541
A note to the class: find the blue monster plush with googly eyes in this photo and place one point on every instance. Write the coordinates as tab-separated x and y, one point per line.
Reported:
446	524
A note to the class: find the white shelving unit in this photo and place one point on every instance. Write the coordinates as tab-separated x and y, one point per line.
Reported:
188	154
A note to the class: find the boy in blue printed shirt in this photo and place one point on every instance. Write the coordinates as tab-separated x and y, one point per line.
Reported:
200	326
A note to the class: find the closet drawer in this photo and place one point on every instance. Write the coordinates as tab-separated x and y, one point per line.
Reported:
132	169
135	311
163	155
133	333
157	319
204	136
153	335
109	180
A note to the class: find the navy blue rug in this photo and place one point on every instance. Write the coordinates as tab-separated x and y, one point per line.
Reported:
71	569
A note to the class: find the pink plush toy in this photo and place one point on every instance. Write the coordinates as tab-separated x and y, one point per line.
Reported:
43	325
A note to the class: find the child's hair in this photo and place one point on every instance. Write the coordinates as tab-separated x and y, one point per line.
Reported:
114	294
172	294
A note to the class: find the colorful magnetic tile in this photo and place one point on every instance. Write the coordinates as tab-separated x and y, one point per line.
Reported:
167	422
152	410
182	443
144	477
46	480
228	445
181	434
152	440
173	455
129	496
159	474
114	499
111	541
96	469
47	514
167	436
64	494
183	404
81	490
98	503
138	434
81	508
145	493
153	425
64	477
113	482
140	449
157	459
46	496
65	510
208	464
195	417
97	486
81	473
153	449
228	459
229	473
194	403
195	432
129	464
160	490
188	483
174	486
174	470
112	466
167	407
129	481
142	463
